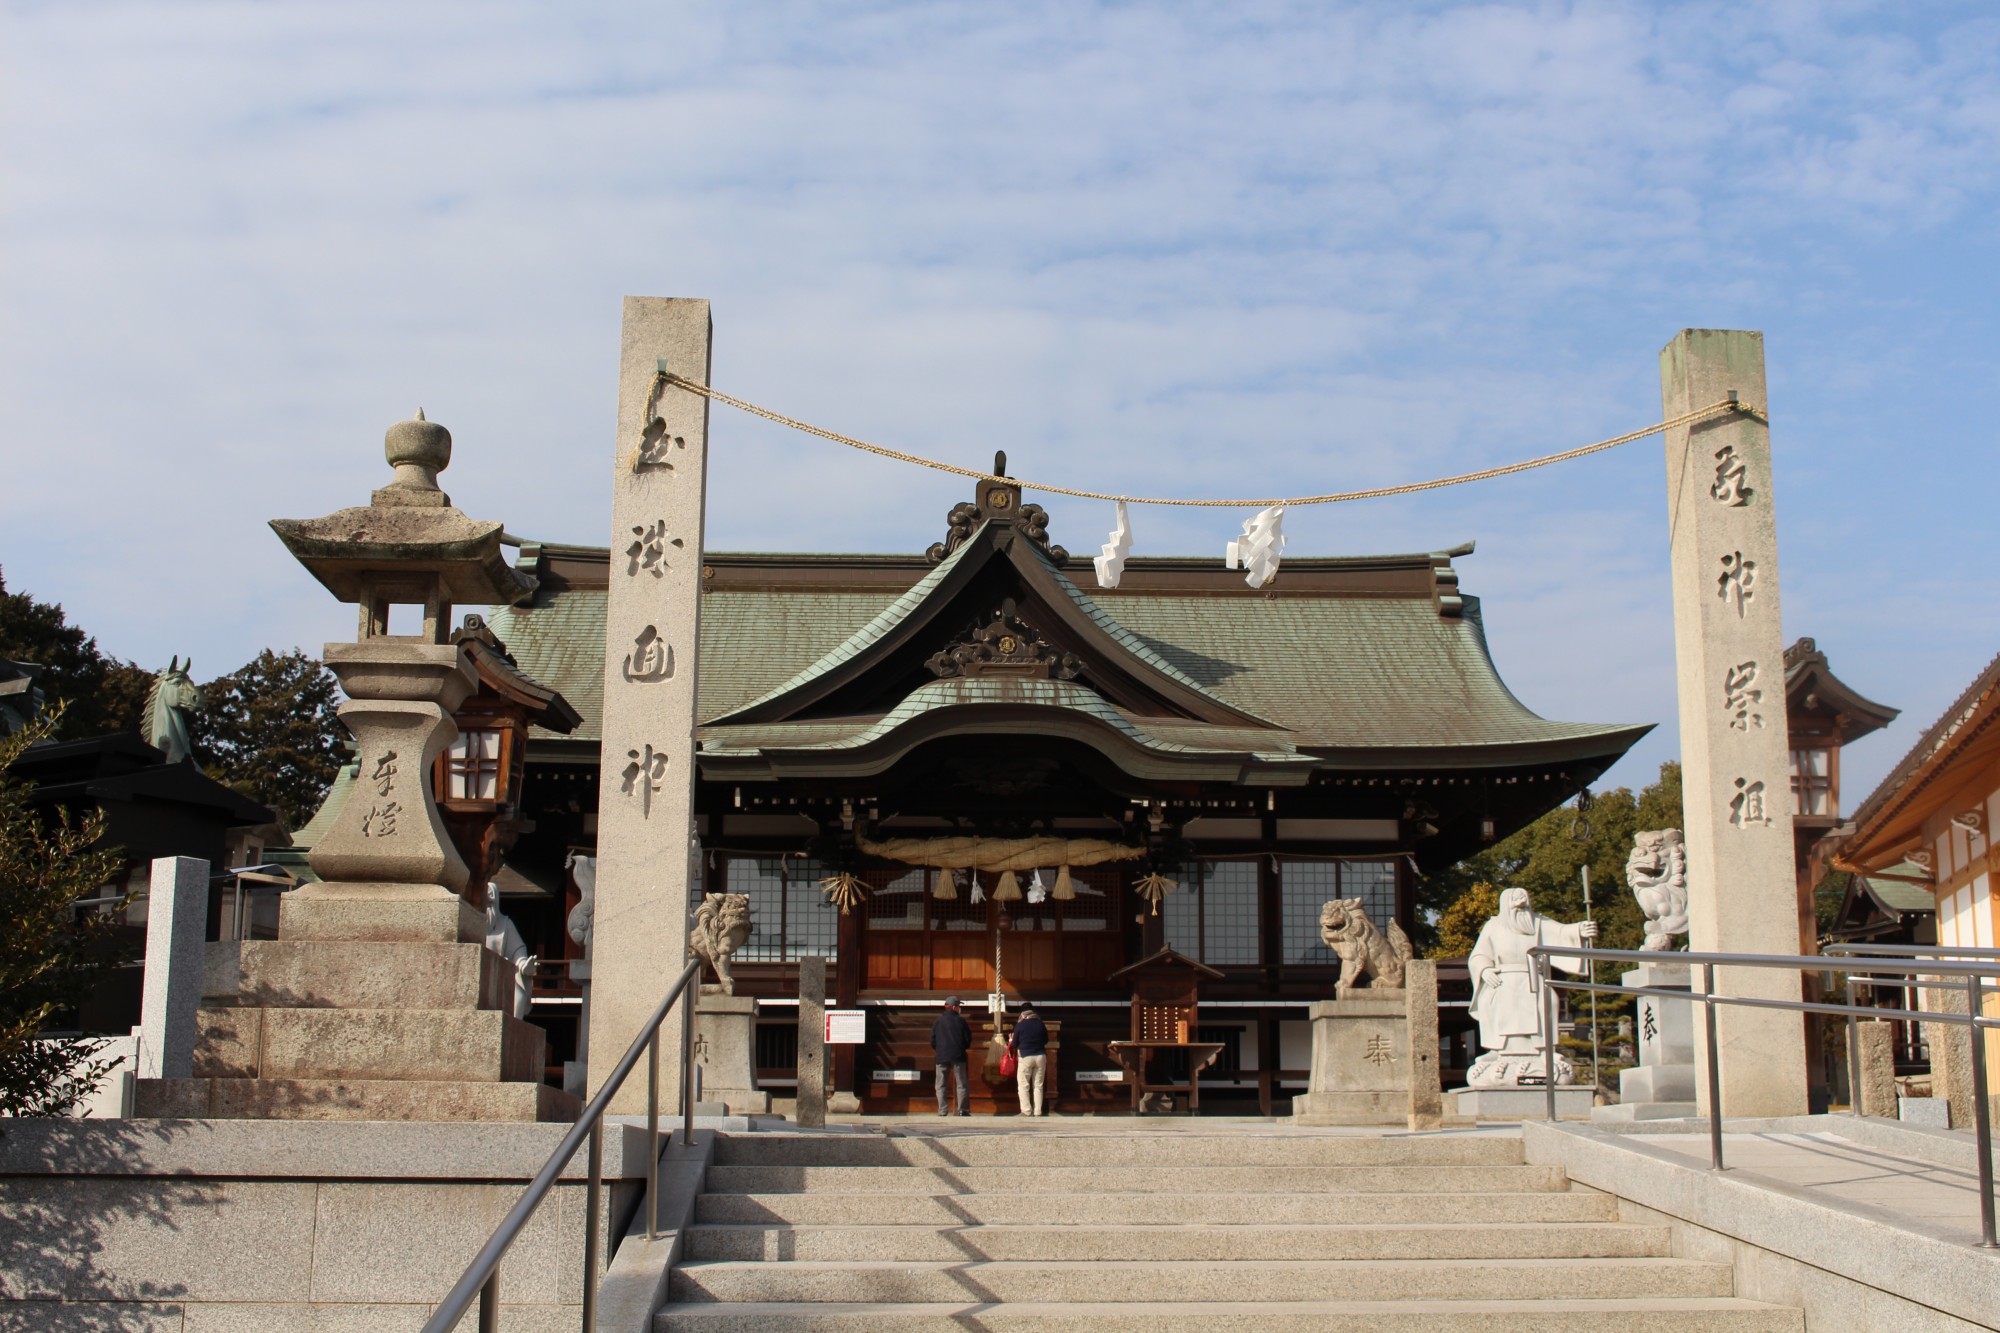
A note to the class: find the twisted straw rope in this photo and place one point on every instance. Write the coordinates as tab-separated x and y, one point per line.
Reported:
1725	407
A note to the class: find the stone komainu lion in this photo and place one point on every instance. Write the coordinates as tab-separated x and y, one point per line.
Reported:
1657	871
1364	952
721	925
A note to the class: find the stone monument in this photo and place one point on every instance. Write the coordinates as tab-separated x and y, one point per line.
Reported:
1510	1006
583	869
1735	766
726	1024
1361	1070
1662	1085
504	938
647	877
380	1000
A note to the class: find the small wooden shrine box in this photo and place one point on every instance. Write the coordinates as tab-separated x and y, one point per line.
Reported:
1166	994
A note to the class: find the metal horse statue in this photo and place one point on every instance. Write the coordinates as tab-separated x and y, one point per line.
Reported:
170	708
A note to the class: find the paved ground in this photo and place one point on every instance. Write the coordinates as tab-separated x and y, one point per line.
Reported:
1827	1166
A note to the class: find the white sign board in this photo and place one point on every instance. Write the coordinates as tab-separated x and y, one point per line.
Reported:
1100	1076
898	1076
846	1027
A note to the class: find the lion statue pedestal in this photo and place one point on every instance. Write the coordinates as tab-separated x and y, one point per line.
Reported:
725	1024
1661	1086
1361	1037
1360	1061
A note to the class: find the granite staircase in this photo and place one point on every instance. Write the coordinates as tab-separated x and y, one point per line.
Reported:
1039	1230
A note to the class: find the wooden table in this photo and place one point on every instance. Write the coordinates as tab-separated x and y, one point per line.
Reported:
1134	1055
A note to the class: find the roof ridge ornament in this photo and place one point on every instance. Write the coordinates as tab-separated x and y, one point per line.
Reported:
998	500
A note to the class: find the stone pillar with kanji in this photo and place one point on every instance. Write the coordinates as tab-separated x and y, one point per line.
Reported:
1734	756
648	860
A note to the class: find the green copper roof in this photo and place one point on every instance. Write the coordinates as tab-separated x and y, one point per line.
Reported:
1342	673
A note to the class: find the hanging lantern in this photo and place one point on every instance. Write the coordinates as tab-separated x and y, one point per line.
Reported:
1064	890
1008	890
1154	887
844	891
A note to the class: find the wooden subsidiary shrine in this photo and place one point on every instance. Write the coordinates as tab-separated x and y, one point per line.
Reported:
1332	734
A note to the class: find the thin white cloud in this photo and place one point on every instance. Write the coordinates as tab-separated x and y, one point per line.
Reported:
1266	248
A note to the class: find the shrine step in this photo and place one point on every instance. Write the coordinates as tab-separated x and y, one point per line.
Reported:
1665	1314
1175	1179
1042	1149
940	1208
1184	1243
1245	1281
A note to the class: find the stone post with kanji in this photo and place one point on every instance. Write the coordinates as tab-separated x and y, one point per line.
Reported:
1734	753
647	867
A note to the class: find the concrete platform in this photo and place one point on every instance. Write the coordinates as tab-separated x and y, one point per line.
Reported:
1865	1224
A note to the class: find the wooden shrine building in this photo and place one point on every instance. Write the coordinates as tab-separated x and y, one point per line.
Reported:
1332	734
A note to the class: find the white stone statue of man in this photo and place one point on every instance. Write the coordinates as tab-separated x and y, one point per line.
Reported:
504	938
1507	1001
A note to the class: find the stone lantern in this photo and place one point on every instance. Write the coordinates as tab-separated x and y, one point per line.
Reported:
379	999
408	554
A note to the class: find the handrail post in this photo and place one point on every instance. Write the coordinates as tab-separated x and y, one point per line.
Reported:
489	1305
687	1069
1714	1068
1982	1115
653	1136
1547	975
593	1198
1853	1052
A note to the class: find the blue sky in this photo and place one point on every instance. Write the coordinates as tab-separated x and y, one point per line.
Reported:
1191	249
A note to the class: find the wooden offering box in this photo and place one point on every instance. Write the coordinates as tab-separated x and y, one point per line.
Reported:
1166	994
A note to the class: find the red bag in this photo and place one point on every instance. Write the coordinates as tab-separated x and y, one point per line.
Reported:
1008	1064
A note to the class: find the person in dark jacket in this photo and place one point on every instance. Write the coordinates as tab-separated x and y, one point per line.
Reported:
950	1040
1031	1054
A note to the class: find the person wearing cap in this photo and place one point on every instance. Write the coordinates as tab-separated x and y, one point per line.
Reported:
1031	1054
951	1038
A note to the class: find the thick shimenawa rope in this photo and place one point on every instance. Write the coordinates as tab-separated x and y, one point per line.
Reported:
1723	408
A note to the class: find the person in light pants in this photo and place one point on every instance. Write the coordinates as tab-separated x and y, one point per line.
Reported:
1031	1051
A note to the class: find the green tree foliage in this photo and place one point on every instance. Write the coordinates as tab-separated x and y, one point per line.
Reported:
1546	859
103	694
51	952
1458	925
269	730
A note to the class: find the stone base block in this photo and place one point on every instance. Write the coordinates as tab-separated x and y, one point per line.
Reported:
1351	1108
228	1043
1934	1112
427	1045
386	974
843	1103
726	1050
1656	1083
1626	1113
1519	1103
426	913
349	1099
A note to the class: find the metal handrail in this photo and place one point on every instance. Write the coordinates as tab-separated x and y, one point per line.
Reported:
1908	966
482	1275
